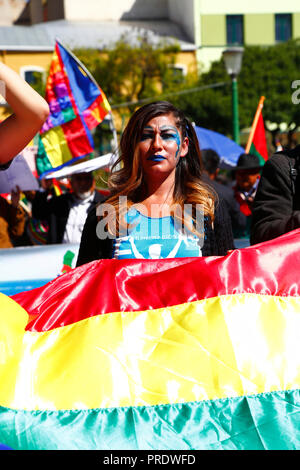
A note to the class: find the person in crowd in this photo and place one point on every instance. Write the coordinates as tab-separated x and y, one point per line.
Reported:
30	111
35	203
211	162
276	207
247	175
12	219
156	196
66	214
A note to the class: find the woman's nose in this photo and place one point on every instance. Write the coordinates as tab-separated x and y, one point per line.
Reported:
157	141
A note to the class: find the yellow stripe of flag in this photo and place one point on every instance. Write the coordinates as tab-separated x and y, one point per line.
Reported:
215	348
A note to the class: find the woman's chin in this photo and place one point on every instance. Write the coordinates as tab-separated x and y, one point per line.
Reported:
158	171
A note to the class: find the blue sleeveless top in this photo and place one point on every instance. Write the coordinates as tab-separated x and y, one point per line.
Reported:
155	238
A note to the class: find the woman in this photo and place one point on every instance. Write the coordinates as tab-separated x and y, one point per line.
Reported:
158	205
30	110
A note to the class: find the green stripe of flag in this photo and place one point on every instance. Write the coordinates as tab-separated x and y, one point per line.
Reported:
253	151
265	421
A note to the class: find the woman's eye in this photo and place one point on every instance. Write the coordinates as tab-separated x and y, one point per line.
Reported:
146	136
168	136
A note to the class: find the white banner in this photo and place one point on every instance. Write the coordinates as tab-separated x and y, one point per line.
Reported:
36	262
18	174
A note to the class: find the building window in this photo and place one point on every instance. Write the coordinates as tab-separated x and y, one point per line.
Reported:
175	75
35	76
235	29
283	27
178	72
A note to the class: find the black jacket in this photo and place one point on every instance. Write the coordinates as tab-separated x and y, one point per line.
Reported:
276	207
238	219
57	214
217	242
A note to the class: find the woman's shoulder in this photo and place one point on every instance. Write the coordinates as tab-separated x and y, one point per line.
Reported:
221	211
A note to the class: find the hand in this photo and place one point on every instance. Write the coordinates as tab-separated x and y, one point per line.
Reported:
15	197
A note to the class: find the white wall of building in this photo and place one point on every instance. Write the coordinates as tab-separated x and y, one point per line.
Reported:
10	10
219	7
114	10
207	55
182	13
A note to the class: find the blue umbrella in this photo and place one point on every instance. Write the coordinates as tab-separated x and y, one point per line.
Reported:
226	148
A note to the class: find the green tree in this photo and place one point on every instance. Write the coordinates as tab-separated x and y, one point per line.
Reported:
38	83
128	72
266	71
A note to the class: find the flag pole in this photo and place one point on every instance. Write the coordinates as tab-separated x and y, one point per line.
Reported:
88	73
254	124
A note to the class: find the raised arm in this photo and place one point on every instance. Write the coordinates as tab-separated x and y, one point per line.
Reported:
30	111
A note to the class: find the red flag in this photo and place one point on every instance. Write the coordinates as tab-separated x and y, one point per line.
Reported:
257	142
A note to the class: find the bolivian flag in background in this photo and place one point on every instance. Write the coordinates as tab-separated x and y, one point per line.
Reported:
158	354
257	142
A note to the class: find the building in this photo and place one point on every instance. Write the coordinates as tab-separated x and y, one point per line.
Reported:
203	28
221	24
11	11
211	25
28	29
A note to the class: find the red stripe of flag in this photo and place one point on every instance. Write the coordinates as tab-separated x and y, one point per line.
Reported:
259	138
135	285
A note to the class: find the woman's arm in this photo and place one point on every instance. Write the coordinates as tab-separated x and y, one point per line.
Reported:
30	111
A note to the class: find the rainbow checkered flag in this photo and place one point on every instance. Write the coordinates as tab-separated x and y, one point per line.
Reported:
77	105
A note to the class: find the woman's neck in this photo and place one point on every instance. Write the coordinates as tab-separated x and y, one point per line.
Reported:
159	197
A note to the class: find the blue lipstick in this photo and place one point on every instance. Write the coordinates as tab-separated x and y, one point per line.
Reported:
156	158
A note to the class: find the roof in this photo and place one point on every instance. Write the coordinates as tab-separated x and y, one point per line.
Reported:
93	34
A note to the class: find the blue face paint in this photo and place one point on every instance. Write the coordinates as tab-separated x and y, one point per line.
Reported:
167	133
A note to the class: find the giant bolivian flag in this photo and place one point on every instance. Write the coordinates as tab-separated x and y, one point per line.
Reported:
159	354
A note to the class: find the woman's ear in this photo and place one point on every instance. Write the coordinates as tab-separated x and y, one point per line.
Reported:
184	147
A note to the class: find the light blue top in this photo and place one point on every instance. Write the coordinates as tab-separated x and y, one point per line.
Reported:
154	238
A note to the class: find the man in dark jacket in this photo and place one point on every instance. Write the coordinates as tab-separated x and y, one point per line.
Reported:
276	208
66	214
211	162
247	175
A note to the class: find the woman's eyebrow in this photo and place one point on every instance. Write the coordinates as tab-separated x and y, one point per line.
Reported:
162	128
168	128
